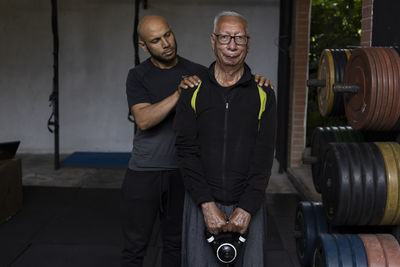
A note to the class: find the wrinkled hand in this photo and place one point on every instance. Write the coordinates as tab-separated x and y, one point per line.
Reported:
239	221
262	81
214	218
190	81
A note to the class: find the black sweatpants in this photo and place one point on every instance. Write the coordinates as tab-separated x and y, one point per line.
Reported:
144	194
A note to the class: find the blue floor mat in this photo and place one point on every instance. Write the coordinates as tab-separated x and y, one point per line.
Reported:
97	159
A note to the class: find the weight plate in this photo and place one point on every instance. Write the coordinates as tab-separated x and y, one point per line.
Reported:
336	133
378	90
386	78
344	250
396	152
374	250
357	188
305	233
326	71
360	71
320	138
391	249
380	183
326	253
348	53
391	115
392	183
338	105
358	251
395	58
310	222
367	167
335	187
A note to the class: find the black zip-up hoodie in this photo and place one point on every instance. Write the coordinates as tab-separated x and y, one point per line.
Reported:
224	151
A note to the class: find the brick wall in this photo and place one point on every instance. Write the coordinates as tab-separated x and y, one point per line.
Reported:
299	90
366	23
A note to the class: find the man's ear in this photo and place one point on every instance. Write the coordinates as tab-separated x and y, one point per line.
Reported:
143	46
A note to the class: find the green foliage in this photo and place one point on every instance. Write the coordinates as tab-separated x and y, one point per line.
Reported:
334	24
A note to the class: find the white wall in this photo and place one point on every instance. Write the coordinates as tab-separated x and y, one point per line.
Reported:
96	53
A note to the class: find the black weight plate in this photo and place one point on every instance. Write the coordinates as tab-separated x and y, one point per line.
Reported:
367	167
379	182
316	148
335	186
357	194
305	233
338	104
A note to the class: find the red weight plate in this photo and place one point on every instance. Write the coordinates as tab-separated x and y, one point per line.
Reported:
379	105
393	93
374	250
395	58
391	249
387	90
360	70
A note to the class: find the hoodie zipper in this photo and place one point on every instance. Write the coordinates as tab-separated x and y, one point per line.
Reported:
225	146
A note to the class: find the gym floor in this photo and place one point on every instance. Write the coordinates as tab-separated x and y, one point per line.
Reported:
70	217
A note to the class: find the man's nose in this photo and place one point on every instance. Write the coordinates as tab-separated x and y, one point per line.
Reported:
232	45
165	43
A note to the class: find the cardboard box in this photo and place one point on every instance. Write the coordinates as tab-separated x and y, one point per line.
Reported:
10	188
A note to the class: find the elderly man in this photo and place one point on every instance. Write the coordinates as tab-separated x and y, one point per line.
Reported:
153	183
225	145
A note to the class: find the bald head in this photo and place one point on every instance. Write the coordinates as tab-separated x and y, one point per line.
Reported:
151	23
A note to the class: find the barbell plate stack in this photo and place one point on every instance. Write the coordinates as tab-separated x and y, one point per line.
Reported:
361	71
326	71
391	249
392	195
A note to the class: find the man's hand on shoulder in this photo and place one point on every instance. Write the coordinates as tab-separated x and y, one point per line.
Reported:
239	221
262	81
188	82
214	218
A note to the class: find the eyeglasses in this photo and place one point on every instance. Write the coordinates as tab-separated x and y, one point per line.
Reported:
226	39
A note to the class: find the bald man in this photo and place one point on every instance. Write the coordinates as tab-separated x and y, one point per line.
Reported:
153	183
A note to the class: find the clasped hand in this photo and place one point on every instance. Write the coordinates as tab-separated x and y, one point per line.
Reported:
216	220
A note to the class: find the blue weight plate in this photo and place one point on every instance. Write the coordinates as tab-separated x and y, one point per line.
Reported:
305	232
358	251
326	253
345	256
379	184
321	222
367	167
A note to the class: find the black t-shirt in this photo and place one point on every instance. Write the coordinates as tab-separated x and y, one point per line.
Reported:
154	149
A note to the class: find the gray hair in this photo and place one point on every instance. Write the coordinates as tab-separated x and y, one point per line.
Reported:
227	13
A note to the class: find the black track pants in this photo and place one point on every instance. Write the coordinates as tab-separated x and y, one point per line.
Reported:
144	194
